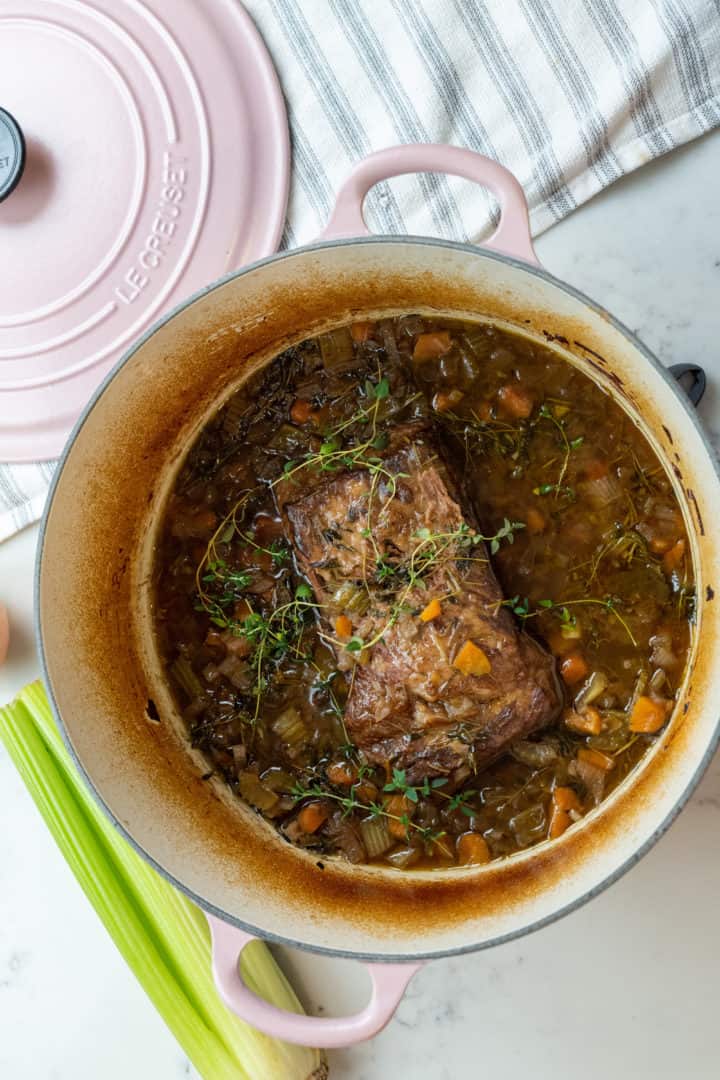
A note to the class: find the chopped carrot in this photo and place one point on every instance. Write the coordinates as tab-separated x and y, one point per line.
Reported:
365	791
433	609
472	849
535	521
300	411
587	722
361	331
659	545
483	410
312	816
674	556
343	626
471	660
560	820
574	668
649	715
595	470
515	401
445	400
596	758
341	773
564	798
430	346
398	806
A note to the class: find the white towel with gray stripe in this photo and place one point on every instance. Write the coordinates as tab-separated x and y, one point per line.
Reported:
569	94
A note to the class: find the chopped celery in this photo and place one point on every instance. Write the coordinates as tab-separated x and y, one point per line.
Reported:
290	728
162	935
375	836
185	677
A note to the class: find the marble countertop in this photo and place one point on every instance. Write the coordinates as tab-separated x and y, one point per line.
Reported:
625	987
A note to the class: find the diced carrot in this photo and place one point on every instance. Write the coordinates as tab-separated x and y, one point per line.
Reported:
483	410
596	469
564	798
430	346
341	773
471	660
343	626
574	668
398	806
674	556
300	411
472	849
445	400
312	816
649	715
360	331
660	544
433	609
515	401
365	791
596	758
587	722
560	820
535	521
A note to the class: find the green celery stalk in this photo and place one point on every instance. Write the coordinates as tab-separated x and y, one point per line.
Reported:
163	936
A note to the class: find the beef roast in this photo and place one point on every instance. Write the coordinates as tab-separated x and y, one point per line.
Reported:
378	545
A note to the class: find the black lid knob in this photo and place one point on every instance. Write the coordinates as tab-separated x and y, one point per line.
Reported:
12	153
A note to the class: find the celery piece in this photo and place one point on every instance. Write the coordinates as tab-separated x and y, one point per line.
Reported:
163	936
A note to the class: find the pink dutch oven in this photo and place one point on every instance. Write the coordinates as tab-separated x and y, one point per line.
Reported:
94	604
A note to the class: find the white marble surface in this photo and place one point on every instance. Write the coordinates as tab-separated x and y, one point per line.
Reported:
627	987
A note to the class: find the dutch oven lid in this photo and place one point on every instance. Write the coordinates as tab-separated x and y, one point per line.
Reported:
143	154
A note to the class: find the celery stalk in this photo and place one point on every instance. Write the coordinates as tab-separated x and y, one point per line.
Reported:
162	935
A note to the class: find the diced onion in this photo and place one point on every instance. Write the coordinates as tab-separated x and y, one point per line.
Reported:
593	688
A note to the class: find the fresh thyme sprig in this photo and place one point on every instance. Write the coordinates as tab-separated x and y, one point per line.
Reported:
412	792
558	488
432	551
351	804
521	607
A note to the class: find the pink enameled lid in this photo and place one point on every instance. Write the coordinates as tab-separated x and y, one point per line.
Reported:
156	160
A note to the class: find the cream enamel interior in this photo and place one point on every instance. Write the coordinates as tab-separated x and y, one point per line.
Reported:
94	588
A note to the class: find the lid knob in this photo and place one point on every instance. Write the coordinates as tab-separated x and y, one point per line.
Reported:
12	154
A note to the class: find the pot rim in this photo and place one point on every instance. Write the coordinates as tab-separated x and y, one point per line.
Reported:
373	957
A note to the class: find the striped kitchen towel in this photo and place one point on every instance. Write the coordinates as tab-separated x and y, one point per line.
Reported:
569	94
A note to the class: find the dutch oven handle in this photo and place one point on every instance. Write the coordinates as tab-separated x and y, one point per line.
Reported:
388	986
512	236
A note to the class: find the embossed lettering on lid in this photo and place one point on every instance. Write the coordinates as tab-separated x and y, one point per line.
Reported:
156	161
12	154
